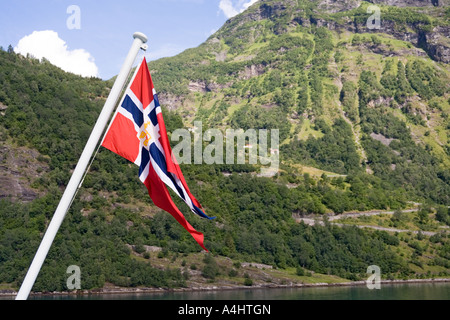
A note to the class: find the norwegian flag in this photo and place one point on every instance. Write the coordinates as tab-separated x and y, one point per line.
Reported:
138	134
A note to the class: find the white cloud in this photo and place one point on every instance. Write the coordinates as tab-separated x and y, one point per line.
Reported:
228	9
47	44
233	7
248	4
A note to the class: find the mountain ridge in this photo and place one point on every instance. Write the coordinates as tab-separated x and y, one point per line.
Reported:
430	40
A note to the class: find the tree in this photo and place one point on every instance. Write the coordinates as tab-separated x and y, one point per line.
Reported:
211	269
443	215
423	214
398	218
349	100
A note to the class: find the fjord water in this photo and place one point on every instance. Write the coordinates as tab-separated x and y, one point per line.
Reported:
417	291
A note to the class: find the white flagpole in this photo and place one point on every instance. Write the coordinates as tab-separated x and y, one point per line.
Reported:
139	40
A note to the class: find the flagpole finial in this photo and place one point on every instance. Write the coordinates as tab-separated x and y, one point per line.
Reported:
140	35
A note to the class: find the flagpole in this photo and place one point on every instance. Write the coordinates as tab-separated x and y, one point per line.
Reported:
139	40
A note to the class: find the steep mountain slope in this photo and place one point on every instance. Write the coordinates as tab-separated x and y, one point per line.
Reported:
303	66
363	120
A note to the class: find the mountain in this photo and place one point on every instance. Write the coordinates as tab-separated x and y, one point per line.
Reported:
307	67
363	120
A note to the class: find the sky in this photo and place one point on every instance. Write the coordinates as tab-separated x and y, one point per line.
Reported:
92	38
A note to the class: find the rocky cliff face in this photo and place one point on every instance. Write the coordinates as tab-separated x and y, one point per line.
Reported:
350	4
337	5
19	167
344	5
435	40
412	3
437	43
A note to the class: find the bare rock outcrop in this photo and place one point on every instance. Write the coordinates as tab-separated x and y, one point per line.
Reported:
19	167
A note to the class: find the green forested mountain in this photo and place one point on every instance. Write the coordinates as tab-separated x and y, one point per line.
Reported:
363	120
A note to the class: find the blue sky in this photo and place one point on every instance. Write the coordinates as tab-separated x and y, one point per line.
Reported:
101	34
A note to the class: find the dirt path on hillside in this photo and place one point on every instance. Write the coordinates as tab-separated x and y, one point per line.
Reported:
313	220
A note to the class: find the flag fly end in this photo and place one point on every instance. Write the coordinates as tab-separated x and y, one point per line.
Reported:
138	134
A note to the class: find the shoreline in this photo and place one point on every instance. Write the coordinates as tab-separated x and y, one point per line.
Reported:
137	291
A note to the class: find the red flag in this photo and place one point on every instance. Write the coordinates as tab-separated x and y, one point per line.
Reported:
138	133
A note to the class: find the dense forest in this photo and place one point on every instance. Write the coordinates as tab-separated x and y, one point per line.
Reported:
363	110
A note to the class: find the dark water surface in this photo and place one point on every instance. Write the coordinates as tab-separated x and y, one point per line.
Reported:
417	291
